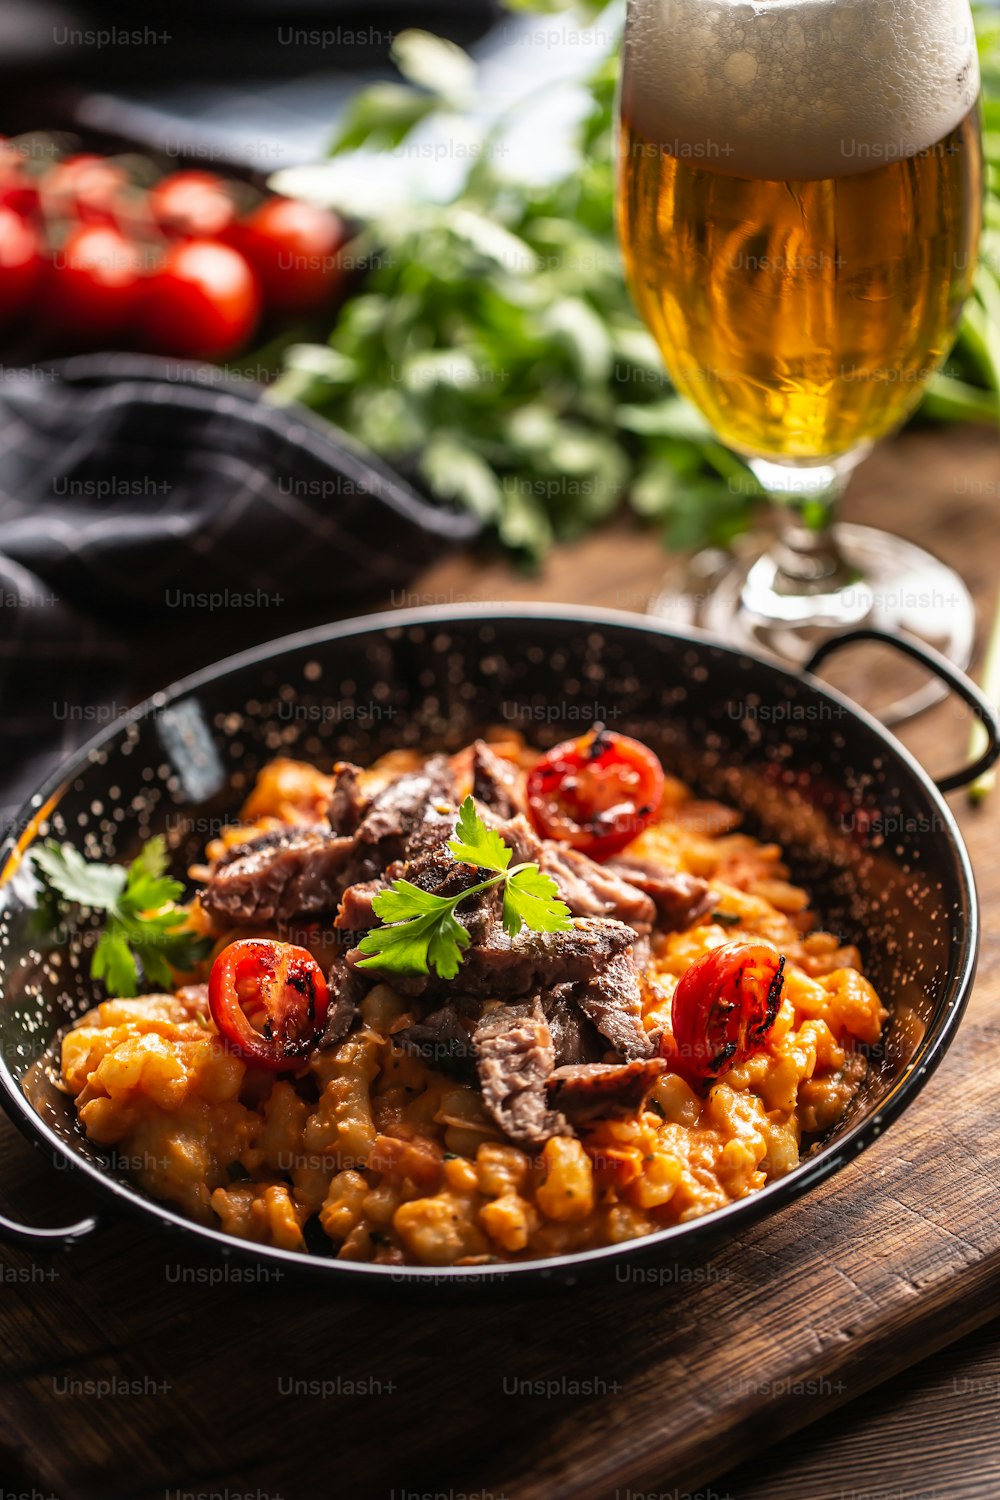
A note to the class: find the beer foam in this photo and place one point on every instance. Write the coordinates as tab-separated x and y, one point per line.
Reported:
798	89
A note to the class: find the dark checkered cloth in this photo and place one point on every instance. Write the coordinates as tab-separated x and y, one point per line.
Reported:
134	491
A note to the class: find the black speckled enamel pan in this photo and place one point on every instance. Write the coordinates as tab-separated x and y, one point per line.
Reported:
864	827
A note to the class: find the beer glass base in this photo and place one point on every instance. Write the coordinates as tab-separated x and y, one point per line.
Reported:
895	586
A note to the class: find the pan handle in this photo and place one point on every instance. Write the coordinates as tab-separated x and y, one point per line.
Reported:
941	667
32	1238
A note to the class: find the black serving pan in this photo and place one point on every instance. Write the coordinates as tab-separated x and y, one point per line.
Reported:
864	827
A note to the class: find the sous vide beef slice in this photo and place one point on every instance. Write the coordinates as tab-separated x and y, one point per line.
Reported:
498	966
414	812
593	890
612	1000
680	899
591	1091
574	1038
286	873
514	1059
357	908
496	783
304	871
347	801
443	1042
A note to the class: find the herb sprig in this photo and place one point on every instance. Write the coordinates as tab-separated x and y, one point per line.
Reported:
424	932
493	352
143	923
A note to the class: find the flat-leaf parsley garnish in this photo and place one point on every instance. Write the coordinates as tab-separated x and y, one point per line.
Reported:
142	920
422	931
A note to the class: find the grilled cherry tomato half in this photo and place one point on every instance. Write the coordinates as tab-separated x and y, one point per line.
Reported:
596	792
724	1008
269	1001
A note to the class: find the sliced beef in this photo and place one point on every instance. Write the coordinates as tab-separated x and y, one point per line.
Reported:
574	1038
593	958
437	870
289	872
496	784
347	801
410	815
348	988
601	1091
515	1057
680	898
357	911
443	1042
593	890
612	1000
497	966
588	889
297	872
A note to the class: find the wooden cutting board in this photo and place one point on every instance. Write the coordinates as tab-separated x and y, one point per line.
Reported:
132	1370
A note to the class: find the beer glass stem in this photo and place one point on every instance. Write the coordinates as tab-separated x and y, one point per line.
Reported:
804	578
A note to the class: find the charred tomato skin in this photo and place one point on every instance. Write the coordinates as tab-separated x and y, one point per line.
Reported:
595	793
280	983
724	1008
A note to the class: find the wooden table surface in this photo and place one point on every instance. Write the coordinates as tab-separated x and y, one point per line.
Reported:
132	1369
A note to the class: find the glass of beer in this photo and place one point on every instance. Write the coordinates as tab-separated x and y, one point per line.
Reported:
799	202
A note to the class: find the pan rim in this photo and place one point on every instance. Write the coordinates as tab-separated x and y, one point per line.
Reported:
827	1160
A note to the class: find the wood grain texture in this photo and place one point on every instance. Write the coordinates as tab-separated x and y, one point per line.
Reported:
130	1370
931	1433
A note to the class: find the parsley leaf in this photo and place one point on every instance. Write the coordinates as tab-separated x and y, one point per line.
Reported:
69	874
142	919
423	933
404	899
531	899
148	888
476	844
431	938
113	962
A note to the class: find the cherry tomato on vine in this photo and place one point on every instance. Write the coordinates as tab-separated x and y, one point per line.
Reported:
724	1007
195	205
293	247
18	187
269	1001
596	792
95	282
88	188
21	264
202	303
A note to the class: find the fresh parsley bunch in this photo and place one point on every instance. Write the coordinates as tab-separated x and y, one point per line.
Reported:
142	922
493	352
425	934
